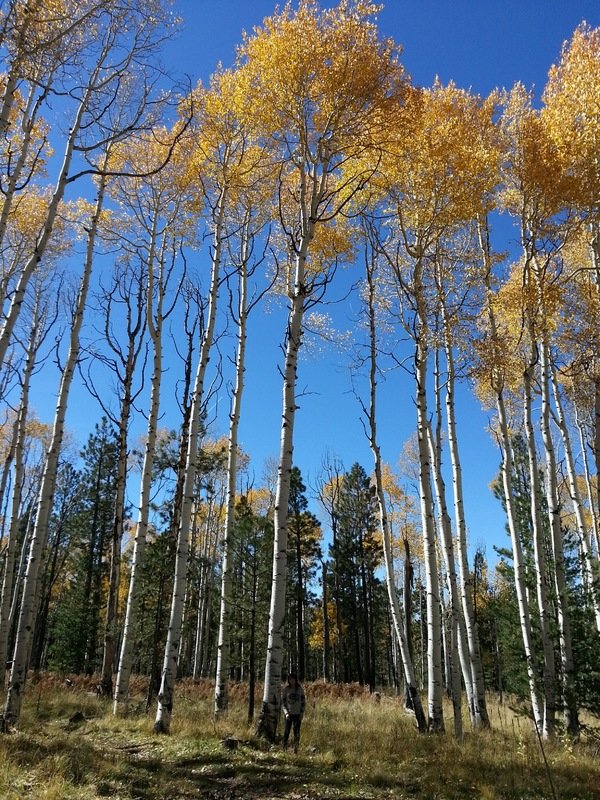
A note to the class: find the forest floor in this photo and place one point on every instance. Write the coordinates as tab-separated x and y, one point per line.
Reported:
69	747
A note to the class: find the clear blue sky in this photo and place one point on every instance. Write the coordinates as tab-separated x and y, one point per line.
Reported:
481	44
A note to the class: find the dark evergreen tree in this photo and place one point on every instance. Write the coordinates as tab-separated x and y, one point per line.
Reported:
75	639
355	556
304	536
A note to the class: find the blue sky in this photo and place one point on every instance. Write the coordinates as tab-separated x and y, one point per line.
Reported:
481	44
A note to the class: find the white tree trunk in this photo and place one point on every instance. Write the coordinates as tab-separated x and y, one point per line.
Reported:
540	564
519	566
223	645
434	622
6	596
392	591
497	384
269	716
154	322
478	706
590	560
18	673
571	712
169	670
453	649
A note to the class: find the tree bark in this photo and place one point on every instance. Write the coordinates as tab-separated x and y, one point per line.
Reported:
162	723
18	673
223	644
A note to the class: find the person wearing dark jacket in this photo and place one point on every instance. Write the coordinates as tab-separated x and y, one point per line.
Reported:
294	703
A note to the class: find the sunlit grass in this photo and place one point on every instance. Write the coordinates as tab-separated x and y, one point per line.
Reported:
352	746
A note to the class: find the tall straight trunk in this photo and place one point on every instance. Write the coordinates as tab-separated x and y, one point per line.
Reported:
17	487
267	724
540	564
434	622
301	661
223	644
18	673
326	633
519	564
497	381
114	579
169	670
154	322
400	626
364	590
454	655
590	558
477	704
569	692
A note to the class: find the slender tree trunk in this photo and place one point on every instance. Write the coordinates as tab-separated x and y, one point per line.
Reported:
267	724
110	624
544	608
590	564
326	634
19	469
18	672
223	644
400	626
434	625
453	651
154	323
478	707
169	670
571	712
497	381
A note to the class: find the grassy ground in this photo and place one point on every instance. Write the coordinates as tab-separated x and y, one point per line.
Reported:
352	747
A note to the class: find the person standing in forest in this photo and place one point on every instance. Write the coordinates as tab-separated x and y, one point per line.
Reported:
294	703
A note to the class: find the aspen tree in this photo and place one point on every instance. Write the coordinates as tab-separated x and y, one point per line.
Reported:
37	335
215	153
496	366
23	641
435	177
319	82
447	281
251	222
130	29
413	697
125	292
571	116
536	203
157	203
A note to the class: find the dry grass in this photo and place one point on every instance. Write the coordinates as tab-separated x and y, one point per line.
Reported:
352	746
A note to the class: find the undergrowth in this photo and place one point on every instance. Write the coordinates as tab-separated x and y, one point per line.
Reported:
69	746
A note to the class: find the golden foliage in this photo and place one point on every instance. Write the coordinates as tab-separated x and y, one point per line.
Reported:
319	83
532	180
572	115
442	169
